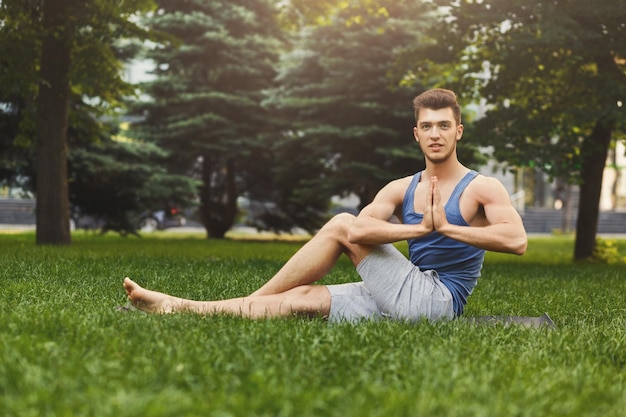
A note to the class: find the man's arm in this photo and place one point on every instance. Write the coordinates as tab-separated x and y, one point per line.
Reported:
373	227
503	230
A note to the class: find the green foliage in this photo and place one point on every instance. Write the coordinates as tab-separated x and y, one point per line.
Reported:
19	51
104	27
205	104
109	180
607	252
548	71
299	13
117	182
348	123
552	78
105	30
66	351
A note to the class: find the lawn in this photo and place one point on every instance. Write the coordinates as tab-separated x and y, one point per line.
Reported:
66	351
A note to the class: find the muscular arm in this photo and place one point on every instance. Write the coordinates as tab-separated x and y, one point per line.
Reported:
502	229
373	227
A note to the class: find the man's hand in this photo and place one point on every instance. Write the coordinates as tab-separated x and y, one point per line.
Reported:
439	219
427	221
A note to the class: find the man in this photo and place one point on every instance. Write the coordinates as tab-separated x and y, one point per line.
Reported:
449	214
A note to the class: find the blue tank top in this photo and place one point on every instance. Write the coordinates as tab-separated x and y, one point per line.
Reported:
457	264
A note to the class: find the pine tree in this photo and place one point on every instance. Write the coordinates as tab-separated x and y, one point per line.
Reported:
205	104
351	118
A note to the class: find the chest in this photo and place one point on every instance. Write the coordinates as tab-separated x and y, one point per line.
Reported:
469	208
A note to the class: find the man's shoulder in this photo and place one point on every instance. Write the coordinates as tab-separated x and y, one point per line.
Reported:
401	183
395	189
484	186
482	180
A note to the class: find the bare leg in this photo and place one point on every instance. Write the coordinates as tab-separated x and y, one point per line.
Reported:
317	257
287	293
309	299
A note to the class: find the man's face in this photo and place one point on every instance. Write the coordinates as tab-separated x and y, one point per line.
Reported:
437	133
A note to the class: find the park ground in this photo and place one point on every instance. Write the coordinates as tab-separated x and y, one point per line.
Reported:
65	348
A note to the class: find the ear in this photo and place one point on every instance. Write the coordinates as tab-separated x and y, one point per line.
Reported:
459	132
415	134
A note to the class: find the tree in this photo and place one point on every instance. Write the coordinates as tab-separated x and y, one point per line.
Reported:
76	46
350	116
19	51
553	74
117	182
52	118
205	104
296	14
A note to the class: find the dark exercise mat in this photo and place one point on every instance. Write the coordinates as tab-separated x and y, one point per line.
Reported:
540	321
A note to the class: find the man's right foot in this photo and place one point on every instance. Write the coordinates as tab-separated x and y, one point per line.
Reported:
149	301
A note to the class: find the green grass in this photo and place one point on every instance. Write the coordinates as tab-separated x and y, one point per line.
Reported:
66	351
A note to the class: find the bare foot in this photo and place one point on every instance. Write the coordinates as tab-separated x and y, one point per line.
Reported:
149	301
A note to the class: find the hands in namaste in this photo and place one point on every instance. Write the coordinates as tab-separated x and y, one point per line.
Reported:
434	214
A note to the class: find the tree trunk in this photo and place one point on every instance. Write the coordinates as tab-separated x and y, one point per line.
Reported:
595	151
218	197
52	121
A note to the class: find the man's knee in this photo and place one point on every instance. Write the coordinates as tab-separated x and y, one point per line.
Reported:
301	291
338	228
312	299
339	224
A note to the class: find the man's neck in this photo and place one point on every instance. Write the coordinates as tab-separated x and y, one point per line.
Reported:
444	171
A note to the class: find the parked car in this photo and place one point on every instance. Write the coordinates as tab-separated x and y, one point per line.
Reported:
146	223
161	220
79	220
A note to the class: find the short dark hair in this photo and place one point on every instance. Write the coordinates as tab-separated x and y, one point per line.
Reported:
436	99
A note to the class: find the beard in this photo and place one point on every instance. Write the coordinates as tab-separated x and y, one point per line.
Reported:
441	156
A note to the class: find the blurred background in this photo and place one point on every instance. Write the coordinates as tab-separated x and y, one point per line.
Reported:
142	115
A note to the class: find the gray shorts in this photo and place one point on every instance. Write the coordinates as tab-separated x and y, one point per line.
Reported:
392	287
